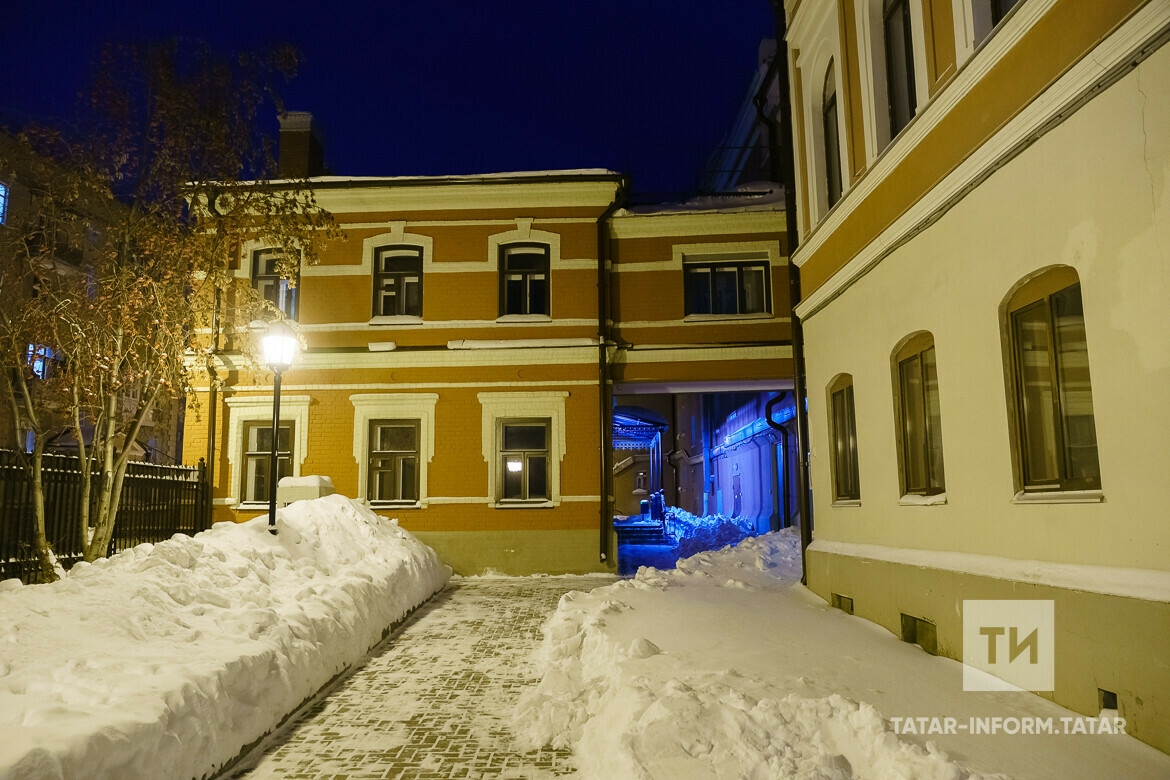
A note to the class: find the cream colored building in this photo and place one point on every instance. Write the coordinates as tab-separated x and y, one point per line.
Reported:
984	245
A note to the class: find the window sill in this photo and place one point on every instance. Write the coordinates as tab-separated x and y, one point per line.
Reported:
393	505
250	505
764	315
524	504
1059	497
523	318
913	499
396	319
847	502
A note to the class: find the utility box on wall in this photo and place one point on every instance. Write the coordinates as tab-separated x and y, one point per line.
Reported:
291	489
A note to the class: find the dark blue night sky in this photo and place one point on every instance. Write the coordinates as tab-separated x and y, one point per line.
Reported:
446	86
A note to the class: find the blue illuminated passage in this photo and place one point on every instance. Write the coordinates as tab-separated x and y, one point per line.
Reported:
3	203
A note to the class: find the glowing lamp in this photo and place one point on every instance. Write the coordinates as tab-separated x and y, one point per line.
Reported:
279	346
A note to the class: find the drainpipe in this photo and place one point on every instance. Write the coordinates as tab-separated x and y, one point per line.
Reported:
604	390
212	403
780	139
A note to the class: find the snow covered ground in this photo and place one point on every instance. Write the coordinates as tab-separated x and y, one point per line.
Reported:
728	667
166	660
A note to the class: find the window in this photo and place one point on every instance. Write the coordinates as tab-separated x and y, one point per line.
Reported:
274	288
987	14
524	456
524	272
899	64
3	203
832	140
919	417
843	430
727	288
393	461
40	358
258	458
398	281
1055	433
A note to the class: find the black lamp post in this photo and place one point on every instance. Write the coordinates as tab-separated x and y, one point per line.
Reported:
279	346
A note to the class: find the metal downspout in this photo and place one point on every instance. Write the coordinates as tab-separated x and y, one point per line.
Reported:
604	390
780	139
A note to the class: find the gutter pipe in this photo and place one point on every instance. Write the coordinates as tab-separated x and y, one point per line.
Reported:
605	389
780	139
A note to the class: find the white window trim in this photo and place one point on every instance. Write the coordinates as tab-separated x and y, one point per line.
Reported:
247	409
526	235
498	406
818	41
767	252
393	406
397	235
247	251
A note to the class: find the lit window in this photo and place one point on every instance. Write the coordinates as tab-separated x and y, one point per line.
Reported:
398	281
3	203
919	417
832	140
40	359
727	288
393	461
524	279
278	290
258	458
1055	432
899	64
843	429
524	460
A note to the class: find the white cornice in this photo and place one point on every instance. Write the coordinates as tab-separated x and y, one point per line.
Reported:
462	197
696	223
1058	102
437	358
701	354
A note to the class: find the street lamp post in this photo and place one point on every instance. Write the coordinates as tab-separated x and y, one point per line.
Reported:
279	346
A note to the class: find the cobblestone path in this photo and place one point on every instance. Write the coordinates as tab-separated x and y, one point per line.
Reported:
434	700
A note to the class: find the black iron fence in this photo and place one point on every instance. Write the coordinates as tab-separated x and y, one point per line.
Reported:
157	503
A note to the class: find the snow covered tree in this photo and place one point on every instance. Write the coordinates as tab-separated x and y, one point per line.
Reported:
151	200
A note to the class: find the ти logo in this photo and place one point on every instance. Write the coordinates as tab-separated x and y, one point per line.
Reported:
1008	644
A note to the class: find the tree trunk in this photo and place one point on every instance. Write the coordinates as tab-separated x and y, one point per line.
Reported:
44	552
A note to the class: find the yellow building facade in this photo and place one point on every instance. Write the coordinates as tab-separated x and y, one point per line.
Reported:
983	259
461	348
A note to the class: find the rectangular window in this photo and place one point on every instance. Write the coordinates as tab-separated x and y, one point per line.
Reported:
846	483
394	460
727	288
1057	437
922	457
3	203
903	100
258	458
40	358
398	281
266	279
524	279
524	466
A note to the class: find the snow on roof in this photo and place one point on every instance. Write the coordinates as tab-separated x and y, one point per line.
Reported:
754	196
471	178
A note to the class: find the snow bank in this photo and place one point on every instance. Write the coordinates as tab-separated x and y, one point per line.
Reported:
630	710
167	659
692	534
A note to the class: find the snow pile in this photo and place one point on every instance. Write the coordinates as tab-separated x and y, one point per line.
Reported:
629	709
167	659
693	534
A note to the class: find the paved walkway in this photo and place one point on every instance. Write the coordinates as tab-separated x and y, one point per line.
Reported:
434	700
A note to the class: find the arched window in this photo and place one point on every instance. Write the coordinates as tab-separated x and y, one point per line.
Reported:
919	416
832	138
843	437
272	280
398	280
524	279
899	63
1050	392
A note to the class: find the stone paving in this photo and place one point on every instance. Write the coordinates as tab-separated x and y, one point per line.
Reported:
434	700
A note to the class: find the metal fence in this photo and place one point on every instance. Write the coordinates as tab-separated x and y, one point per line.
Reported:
157	503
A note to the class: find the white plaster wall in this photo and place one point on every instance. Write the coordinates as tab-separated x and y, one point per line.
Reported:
1090	194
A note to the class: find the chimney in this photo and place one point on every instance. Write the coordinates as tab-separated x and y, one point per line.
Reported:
301	153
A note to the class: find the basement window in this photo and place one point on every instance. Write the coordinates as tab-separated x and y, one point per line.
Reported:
920	632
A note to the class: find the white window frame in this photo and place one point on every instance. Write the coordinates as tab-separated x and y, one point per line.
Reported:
293	408
394	406
548	405
524	234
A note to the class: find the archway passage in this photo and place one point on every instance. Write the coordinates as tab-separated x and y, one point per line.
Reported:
699	470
